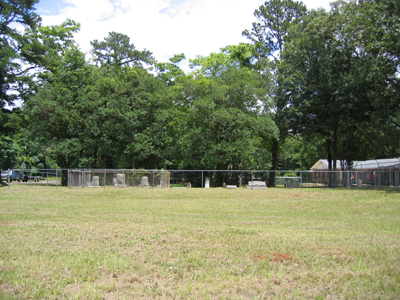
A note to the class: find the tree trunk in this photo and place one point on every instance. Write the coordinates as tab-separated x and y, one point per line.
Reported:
335	157
328	144
64	177
62	162
275	150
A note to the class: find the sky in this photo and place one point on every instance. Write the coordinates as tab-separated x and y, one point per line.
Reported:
164	27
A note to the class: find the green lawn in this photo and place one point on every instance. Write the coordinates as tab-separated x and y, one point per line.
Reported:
199	244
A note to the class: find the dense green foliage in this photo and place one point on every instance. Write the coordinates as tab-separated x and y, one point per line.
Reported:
310	85
341	85
14	60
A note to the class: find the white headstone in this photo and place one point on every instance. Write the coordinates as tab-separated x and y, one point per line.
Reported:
207	184
257	185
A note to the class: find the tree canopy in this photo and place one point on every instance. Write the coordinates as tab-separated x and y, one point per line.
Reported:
116	50
268	34
334	87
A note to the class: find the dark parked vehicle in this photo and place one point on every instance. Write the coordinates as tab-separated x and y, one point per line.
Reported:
9	175
35	178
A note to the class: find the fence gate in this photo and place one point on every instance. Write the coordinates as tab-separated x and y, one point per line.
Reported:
76	178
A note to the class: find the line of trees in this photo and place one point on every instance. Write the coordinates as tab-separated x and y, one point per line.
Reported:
308	85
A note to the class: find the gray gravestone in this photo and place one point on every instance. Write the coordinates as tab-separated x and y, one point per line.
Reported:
145	181
120	181
95	181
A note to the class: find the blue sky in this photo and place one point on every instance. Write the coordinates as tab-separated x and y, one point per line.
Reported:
50	7
165	27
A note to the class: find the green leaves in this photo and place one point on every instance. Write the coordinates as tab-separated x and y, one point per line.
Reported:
274	20
116	50
338	80
14	12
168	72
230	57
220	114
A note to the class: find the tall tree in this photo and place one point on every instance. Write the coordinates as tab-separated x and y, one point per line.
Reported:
222	125
126	119
90	116
8	151
46	47
274	19
117	50
374	26
340	85
52	114
13	15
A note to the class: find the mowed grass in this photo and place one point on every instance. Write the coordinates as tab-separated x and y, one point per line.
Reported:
199	243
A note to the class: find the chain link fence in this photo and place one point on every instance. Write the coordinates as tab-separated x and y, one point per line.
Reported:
285	179
236	178
94	178
252	179
34	177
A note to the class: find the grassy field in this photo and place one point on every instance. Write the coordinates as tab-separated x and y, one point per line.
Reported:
199	244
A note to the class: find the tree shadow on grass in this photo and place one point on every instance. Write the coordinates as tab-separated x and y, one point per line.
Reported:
3	184
390	190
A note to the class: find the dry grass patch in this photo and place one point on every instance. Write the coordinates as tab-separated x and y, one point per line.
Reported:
198	244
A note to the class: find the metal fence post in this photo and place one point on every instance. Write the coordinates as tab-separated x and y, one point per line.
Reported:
105	178
30	178
252	180
153	179
56	179
202	179
348	179
301	180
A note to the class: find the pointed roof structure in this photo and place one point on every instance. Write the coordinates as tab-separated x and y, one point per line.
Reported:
323	164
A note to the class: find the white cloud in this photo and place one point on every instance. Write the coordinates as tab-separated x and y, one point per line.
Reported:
165	27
